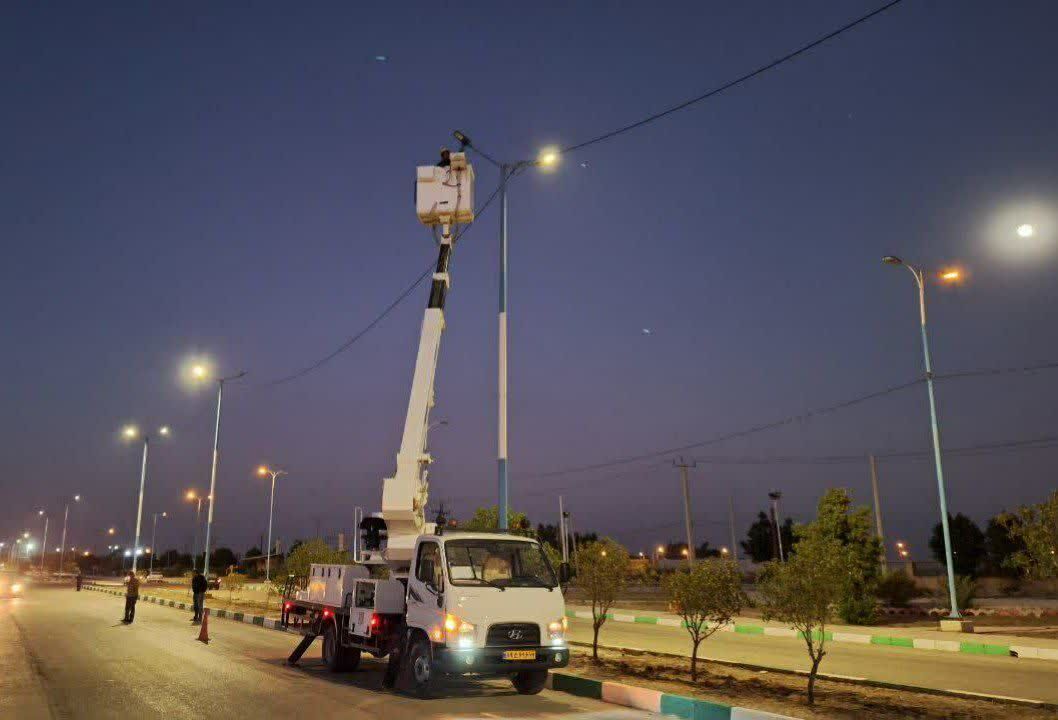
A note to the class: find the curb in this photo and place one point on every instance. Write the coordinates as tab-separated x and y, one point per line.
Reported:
259	620
654	701
970	648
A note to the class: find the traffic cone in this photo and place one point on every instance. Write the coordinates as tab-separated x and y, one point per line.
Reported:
203	633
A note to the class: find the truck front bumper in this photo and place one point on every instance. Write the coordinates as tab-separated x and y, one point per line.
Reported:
490	661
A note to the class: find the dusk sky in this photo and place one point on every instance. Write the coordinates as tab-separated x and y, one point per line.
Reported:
235	180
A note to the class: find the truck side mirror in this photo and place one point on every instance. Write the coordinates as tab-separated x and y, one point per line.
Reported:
564	573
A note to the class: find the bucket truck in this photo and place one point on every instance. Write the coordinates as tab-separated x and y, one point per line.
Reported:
436	602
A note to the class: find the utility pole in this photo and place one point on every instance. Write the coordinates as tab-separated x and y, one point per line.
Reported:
877	506
731	522
775	495
684	467
44	544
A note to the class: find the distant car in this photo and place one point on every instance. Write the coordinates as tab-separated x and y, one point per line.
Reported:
11	585
212	582
154	578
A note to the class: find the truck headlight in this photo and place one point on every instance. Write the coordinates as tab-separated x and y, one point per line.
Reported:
557	631
459	631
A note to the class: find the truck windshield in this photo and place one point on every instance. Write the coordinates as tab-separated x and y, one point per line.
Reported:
500	563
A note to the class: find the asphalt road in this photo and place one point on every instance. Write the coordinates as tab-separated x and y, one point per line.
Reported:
934	669
65	654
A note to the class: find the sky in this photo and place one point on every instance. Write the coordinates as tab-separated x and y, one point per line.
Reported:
234	181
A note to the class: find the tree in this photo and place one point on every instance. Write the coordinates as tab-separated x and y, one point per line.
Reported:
704	551
1035	527
602	567
486	520
759	543
222	559
851	528
967	544
1000	545
233	582
803	592
253	552
707	597
549	534
299	560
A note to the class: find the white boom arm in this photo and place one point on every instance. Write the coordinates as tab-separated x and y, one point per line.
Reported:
441	193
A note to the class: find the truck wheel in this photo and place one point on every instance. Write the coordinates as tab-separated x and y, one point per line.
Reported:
420	676
529	682
337	658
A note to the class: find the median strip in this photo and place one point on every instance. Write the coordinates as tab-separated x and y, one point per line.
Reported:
912	643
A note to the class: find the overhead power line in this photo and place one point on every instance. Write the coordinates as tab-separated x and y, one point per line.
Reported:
731	435
736	82
382	315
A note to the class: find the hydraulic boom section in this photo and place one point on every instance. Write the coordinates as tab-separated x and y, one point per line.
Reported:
444	198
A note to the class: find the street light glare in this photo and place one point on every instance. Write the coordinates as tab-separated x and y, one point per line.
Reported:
548	158
163	430
951	275
1026	230
262	470
130	431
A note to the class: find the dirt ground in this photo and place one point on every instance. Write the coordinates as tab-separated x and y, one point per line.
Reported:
786	693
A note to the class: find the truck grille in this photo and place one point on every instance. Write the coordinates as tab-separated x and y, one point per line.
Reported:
511	634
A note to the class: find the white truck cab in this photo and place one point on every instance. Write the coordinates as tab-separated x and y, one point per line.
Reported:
486	603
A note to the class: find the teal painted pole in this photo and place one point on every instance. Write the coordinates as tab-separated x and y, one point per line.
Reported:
935	429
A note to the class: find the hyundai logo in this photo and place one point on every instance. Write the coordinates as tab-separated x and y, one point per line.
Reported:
515	634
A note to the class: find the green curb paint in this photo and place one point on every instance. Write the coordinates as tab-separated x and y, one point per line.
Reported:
693	709
646	619
577	686
750	629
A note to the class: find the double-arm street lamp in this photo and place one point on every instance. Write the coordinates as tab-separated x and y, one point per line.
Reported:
131	432
265	471
920	281
200	372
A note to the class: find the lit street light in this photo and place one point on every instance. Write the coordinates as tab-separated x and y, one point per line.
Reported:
131	432
44	541
201	375
920	280
547	159
1026	231
65	517
265	471
154	533
194	497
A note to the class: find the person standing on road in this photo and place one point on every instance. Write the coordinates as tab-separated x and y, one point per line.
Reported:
79	579
198	594
132	594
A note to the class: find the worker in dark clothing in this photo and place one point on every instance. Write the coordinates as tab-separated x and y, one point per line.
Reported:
132	594
79	579
198	594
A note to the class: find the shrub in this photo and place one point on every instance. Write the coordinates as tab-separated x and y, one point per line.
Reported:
897	589
965	591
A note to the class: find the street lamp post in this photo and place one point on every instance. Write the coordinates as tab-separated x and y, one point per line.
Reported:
200	372
192	496
65	517
131	432
920	281
154	533
507	171
264	471
44	542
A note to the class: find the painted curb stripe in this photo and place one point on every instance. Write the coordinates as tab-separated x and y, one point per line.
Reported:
749	629
646	619
577	686
693	709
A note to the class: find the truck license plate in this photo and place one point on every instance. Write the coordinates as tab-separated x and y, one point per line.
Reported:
519	654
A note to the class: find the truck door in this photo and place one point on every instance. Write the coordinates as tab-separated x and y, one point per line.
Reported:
425	587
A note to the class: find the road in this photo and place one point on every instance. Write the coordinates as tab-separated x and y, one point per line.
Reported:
938	670
65	654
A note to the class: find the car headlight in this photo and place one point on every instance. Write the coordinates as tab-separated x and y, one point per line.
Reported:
459	631
17	587
557	631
